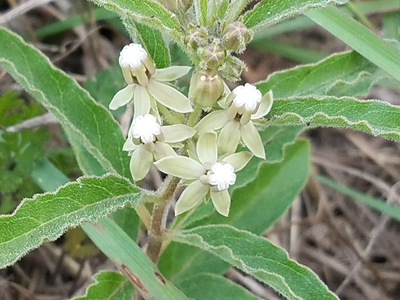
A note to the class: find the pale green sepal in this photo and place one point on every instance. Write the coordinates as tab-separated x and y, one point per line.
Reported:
221	201
171	73
229	137
122	97
162	150
238	160
191	197
169	97
177	133
141	161
213	121
129	145
206	148
265	106
251	138
180	166
141	101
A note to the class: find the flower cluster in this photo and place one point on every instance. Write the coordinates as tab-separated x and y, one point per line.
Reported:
207	162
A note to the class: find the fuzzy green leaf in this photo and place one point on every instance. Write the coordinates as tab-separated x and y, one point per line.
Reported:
150	13
206	286
259	257
46	216
257	202
109	285
87	123
267	13
341	74
372	116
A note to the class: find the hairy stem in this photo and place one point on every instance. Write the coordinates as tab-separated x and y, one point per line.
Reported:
158	219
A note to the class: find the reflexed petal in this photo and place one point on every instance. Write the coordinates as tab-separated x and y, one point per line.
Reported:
251	138
171	73
169	97
206	148
129	145
221	201
177	133
238	160
141	101
213	121
122	97
229	137
162	150
180	166
265	106
141	161
191	197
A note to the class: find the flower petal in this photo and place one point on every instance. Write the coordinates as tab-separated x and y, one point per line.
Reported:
238	160
206	148
181	166
213	121
177	133
221	201
129	145
122	97
141	101
169	97
141	161
162	150
171	73
191	197
229	137
251	138
265	106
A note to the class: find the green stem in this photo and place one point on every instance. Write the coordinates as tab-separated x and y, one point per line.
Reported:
363	20
194	116
157	223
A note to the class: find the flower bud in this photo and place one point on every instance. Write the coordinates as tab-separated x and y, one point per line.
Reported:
213	56
236	36
206	87
197	37
177	6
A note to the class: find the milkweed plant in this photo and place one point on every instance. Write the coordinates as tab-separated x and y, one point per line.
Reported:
229	154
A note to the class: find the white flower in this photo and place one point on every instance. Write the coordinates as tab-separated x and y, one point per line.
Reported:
245	103
146	84
148	141
210	176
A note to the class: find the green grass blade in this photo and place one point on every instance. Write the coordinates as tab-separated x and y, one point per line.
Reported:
376	204
359	38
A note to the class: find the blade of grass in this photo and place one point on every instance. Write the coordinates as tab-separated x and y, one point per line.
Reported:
376	204
359	38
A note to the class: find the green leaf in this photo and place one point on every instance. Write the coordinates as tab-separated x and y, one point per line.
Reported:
206	286
267	13
359	38
372	116
257	202
201	8
46	216
152	40
86	123
379	205
126	254
109	285
258	257
341	74
150	13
